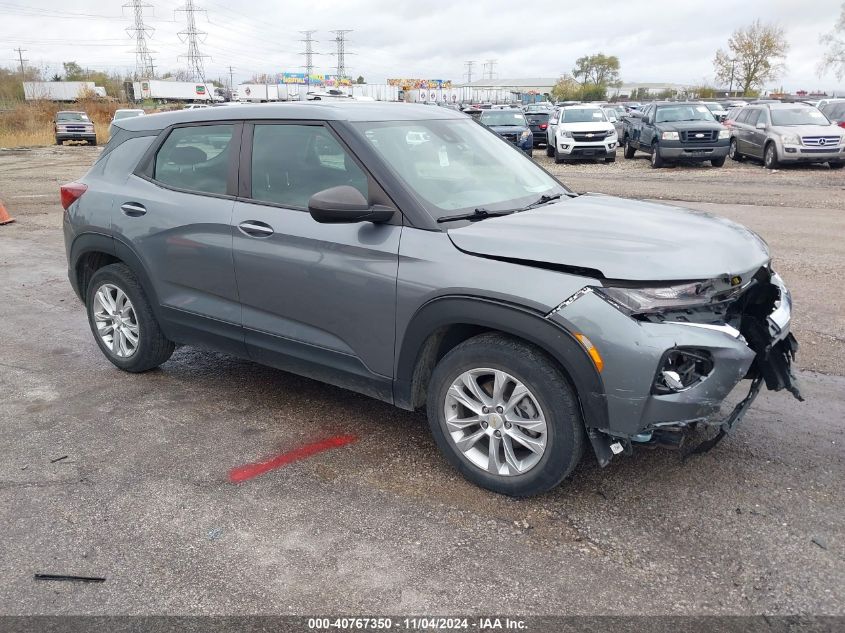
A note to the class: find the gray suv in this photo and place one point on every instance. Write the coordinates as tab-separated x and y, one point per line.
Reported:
780	133
407	253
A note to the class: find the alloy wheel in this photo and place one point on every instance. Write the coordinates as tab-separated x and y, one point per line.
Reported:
116	321
495	421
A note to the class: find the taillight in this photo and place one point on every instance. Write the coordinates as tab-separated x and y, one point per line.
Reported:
543	126
72	192
841	124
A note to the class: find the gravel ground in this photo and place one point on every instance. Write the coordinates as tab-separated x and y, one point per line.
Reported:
384	525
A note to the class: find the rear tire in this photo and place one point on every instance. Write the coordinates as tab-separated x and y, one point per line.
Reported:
630	150
770	157
150	348
549	397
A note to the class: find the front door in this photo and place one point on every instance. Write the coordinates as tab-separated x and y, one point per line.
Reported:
317	299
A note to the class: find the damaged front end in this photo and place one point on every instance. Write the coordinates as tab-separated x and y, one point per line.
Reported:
700	339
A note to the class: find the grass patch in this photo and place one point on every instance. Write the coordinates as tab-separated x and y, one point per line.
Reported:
31	124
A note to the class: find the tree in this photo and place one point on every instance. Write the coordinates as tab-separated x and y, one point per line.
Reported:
566	89
599	70
360	80
73	71
753	56
834	56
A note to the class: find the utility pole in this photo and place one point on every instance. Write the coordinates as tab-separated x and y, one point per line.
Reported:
340	40
231	79
731	88
469	65
20	52
490	65
139	32
308	53
192	36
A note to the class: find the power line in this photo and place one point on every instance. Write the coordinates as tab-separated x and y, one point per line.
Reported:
191	35
340	40
468	73
143	60
309	56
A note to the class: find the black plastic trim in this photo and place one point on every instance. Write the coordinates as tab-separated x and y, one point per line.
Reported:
508	318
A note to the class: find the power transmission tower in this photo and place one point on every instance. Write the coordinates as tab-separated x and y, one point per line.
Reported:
490	66
469	65
143	60
20	52
308	53
192	36
340	40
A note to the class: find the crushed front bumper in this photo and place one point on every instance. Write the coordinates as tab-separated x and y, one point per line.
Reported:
634	351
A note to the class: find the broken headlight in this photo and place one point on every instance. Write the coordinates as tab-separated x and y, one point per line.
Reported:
649	299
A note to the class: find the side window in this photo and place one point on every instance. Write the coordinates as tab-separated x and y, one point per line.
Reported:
753	117
290	163
195	158
742	117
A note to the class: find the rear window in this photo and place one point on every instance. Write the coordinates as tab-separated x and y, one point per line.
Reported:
503	117
195	158
537	117
835	110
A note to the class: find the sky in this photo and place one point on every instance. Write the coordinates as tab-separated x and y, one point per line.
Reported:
672	41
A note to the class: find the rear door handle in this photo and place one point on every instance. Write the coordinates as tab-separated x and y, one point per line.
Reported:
254	228
133	209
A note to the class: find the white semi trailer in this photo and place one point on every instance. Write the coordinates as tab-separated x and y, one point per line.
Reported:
163	90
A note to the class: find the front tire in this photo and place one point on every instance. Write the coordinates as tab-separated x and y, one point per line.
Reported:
733	151
630	150
550	150
123	322
718	162
504	416
836	165
770	157
656	160
558	159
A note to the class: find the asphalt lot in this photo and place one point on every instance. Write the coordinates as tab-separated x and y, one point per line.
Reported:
383	525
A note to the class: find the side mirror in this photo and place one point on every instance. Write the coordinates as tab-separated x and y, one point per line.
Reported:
760	126
646	120
345	205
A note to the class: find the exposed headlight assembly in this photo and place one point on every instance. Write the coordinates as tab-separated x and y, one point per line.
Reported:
647	300
669	136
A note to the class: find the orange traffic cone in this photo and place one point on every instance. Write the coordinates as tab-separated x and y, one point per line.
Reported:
5	218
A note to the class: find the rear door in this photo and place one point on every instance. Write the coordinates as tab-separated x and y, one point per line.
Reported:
174	213
318	299
754	138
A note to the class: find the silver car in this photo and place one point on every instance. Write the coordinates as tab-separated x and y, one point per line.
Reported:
781	133
408	253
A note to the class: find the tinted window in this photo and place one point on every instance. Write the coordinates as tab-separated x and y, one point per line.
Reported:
835	110
290	163
743	116
753	117
195	158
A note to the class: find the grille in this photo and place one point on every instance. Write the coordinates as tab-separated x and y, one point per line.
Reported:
699	136
819	141
591	136
819	150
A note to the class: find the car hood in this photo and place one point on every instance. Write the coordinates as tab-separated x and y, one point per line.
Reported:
586	126
622	239
690	125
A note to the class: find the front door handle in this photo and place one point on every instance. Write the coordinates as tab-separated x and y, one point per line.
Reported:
133	209
254	228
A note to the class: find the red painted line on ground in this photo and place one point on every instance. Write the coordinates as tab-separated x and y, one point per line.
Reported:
250	471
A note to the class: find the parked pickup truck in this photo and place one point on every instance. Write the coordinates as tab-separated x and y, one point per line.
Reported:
674	132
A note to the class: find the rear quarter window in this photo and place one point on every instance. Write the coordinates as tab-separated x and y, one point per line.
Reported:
195	158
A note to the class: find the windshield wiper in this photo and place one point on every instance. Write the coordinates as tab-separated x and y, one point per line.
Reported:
478	214
542	200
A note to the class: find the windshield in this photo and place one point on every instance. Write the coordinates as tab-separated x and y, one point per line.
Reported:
713	107
798	116
582	115
668	114
503	117
127	114
71	116
459	166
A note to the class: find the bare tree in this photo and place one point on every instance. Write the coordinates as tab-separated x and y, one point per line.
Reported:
834	56
753	57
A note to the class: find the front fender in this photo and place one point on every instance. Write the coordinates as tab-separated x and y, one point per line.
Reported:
508	318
